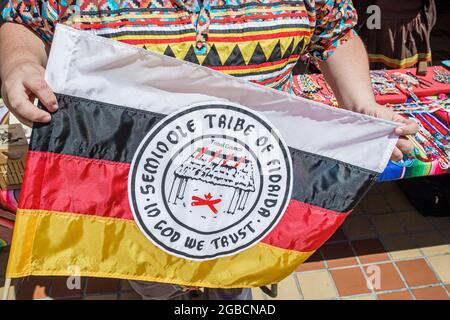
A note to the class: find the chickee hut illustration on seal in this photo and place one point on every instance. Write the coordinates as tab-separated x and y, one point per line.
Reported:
218	168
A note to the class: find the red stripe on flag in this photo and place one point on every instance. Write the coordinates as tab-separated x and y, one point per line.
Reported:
304	227
66	183
73	184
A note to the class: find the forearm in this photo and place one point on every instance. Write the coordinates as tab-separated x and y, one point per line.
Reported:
23	58
19	45
347	72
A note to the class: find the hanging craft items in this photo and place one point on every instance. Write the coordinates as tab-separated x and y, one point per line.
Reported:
441	75
381	83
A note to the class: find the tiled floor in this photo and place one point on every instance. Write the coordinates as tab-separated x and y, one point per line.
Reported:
384	242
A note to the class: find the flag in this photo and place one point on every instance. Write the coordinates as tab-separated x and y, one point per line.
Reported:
157	169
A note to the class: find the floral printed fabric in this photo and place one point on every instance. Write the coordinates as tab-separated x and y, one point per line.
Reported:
334	25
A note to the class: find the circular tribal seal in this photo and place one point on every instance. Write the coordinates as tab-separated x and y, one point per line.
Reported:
210	181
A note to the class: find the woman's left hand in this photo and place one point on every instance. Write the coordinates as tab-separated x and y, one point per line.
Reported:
347	72
408	127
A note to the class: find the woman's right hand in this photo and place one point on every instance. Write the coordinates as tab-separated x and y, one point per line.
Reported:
22	83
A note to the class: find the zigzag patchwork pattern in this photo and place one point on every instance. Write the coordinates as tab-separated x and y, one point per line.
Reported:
239	55
260	41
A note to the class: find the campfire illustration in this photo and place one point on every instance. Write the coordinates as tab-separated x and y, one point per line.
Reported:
214	167
208	201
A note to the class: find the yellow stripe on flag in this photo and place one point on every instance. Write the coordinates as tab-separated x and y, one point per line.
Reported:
56	243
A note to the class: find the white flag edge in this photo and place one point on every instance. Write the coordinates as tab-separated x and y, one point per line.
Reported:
84	65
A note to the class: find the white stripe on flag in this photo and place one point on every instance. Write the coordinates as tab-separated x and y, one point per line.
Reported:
88	66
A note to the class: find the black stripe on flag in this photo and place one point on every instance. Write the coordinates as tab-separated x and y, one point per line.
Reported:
98	130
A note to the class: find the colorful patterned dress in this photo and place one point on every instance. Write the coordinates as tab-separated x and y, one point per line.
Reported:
259	40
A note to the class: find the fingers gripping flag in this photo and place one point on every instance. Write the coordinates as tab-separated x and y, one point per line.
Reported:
160	170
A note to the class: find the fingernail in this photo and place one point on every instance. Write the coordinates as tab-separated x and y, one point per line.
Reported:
55	106
47	118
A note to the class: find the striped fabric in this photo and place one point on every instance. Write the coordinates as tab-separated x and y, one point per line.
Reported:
260	41
431	155
74	209
400	63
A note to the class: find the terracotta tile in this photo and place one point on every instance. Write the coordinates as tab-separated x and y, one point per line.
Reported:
314	262
387	224
60	289
40	292
389	279
401	247
441	265
358	227
370	250
350	281
375	204
363	297
102	285
417	272
448	287
414	221
317	285
339	235
397	201
287	290
430	293
403	295
33	288
431	243
338	255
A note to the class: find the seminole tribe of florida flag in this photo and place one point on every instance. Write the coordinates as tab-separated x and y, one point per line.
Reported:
161	170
